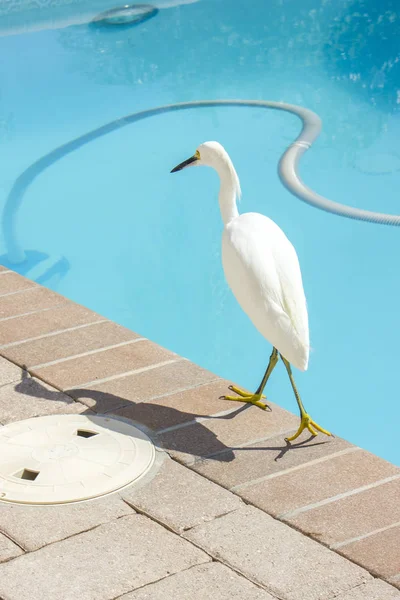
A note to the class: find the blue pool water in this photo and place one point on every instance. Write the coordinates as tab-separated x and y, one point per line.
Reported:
108	226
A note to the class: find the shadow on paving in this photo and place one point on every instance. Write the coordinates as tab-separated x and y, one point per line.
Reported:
146	413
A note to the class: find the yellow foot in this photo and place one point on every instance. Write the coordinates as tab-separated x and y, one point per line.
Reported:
307	423
242	393
243	396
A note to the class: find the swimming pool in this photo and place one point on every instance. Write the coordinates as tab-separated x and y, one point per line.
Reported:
109	227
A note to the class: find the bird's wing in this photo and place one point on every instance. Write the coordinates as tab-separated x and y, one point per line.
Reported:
263	271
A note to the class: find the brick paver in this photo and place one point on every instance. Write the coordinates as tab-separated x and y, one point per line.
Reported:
134	391
32	299
225	433
180	498
338	474
62	316
375	590
241	465
353	515
77	371
379	553
102	564
181	407
8	372
205	582
284	561
69	343
33	398
12	282
8	549
35	526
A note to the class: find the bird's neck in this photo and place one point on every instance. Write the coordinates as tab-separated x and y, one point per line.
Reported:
228	192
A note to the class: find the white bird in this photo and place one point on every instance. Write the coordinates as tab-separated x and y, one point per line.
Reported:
262	269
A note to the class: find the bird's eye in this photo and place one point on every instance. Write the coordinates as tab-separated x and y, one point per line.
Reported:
197	154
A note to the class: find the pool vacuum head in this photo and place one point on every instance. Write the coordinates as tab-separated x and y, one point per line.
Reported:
130	14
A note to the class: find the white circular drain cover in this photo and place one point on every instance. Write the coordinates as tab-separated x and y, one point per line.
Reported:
68	458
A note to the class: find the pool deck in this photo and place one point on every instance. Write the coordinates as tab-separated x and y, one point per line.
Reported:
233	512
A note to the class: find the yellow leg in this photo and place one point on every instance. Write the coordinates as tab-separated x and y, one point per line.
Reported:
257	397
306	421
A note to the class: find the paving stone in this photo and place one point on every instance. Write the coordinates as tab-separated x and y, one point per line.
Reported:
36	526
7	548
352	516
288	564
105	363
223	433
12	282
8	372
317	482
133	390
60	317
266	457
374	590
69	343
33	398
201	583
33	299
180	498
379	553
395	581
101	564
178	408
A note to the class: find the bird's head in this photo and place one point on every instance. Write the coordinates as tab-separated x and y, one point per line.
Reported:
209	154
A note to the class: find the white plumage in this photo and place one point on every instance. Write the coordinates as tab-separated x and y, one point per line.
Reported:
263	272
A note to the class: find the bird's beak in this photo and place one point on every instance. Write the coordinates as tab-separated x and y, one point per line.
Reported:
185	163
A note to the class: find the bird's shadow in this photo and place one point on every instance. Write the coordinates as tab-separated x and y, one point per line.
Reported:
154	417
284	449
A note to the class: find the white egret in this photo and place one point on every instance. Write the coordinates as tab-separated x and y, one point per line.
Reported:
263	272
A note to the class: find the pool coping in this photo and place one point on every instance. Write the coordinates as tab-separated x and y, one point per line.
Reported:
343	497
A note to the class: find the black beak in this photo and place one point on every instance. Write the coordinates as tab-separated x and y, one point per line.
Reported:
184	164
